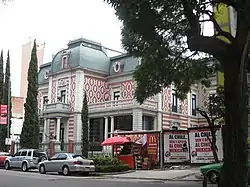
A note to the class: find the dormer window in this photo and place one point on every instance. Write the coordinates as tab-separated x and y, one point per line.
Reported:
65	62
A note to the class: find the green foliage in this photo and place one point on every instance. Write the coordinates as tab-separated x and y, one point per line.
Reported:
168	36
85	127
105	161
30	132
112	168
7	88
216	108
155	31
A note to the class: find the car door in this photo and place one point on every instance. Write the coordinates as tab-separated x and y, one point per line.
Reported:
14	159
21	158
49	165
62	159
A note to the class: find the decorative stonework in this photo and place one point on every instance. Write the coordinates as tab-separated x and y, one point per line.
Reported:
71	128
184	107
166	99
97	90
53	92
52	126
39	99
127	90
72	94
63	84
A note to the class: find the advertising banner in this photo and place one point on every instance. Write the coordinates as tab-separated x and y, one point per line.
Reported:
153	143
200	147
3	114
176	146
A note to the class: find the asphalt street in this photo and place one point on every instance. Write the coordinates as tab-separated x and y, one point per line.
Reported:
34	179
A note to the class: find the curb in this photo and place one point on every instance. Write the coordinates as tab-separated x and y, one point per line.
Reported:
112	173
157	179
199	177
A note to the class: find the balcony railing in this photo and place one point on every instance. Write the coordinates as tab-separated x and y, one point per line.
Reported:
122	103
56	107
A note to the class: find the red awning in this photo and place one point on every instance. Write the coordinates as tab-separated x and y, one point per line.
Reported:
116	140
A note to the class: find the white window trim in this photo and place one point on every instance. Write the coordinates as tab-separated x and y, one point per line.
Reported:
64	57
178	103
66	96
196	100
115	89
42	104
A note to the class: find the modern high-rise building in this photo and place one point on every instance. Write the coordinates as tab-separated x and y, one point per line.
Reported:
26	53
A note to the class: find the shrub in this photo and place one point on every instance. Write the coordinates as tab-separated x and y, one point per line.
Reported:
112	168
105	161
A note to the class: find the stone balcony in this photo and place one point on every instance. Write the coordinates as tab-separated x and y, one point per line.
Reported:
123	104
56	110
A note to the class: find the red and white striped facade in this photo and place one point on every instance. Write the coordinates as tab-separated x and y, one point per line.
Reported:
99	93
99	89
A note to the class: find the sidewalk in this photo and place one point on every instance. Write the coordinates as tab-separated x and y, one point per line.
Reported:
165	175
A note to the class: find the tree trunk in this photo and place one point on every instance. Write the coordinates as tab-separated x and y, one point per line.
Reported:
213	145
235	168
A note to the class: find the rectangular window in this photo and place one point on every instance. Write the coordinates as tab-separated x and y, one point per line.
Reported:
64	62
45	100
174	101
63	96
116	95
193	103
24	153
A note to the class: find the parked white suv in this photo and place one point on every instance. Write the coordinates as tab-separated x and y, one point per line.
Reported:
25	159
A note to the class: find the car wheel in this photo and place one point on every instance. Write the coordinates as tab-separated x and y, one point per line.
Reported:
7	165
24	167
42	169
213	177
65	170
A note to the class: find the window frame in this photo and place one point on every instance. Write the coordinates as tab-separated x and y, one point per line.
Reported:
193	104
174	101
45	100
64	62
24	152
63	94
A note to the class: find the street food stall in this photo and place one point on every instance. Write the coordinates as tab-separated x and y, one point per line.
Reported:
125	155
139	151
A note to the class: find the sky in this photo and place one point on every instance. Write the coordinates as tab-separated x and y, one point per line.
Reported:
55	22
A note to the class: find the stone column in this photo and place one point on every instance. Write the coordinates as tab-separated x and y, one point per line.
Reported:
112	125
44	129
58	129
106	128
137	119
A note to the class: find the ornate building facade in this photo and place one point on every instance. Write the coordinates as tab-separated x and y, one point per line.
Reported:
108	83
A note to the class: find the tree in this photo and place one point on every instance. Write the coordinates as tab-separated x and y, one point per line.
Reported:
85	127
30	132
213	113
2	126
7	93
168	37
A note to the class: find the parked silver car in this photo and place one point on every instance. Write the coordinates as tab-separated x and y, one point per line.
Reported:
66	163
25	159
